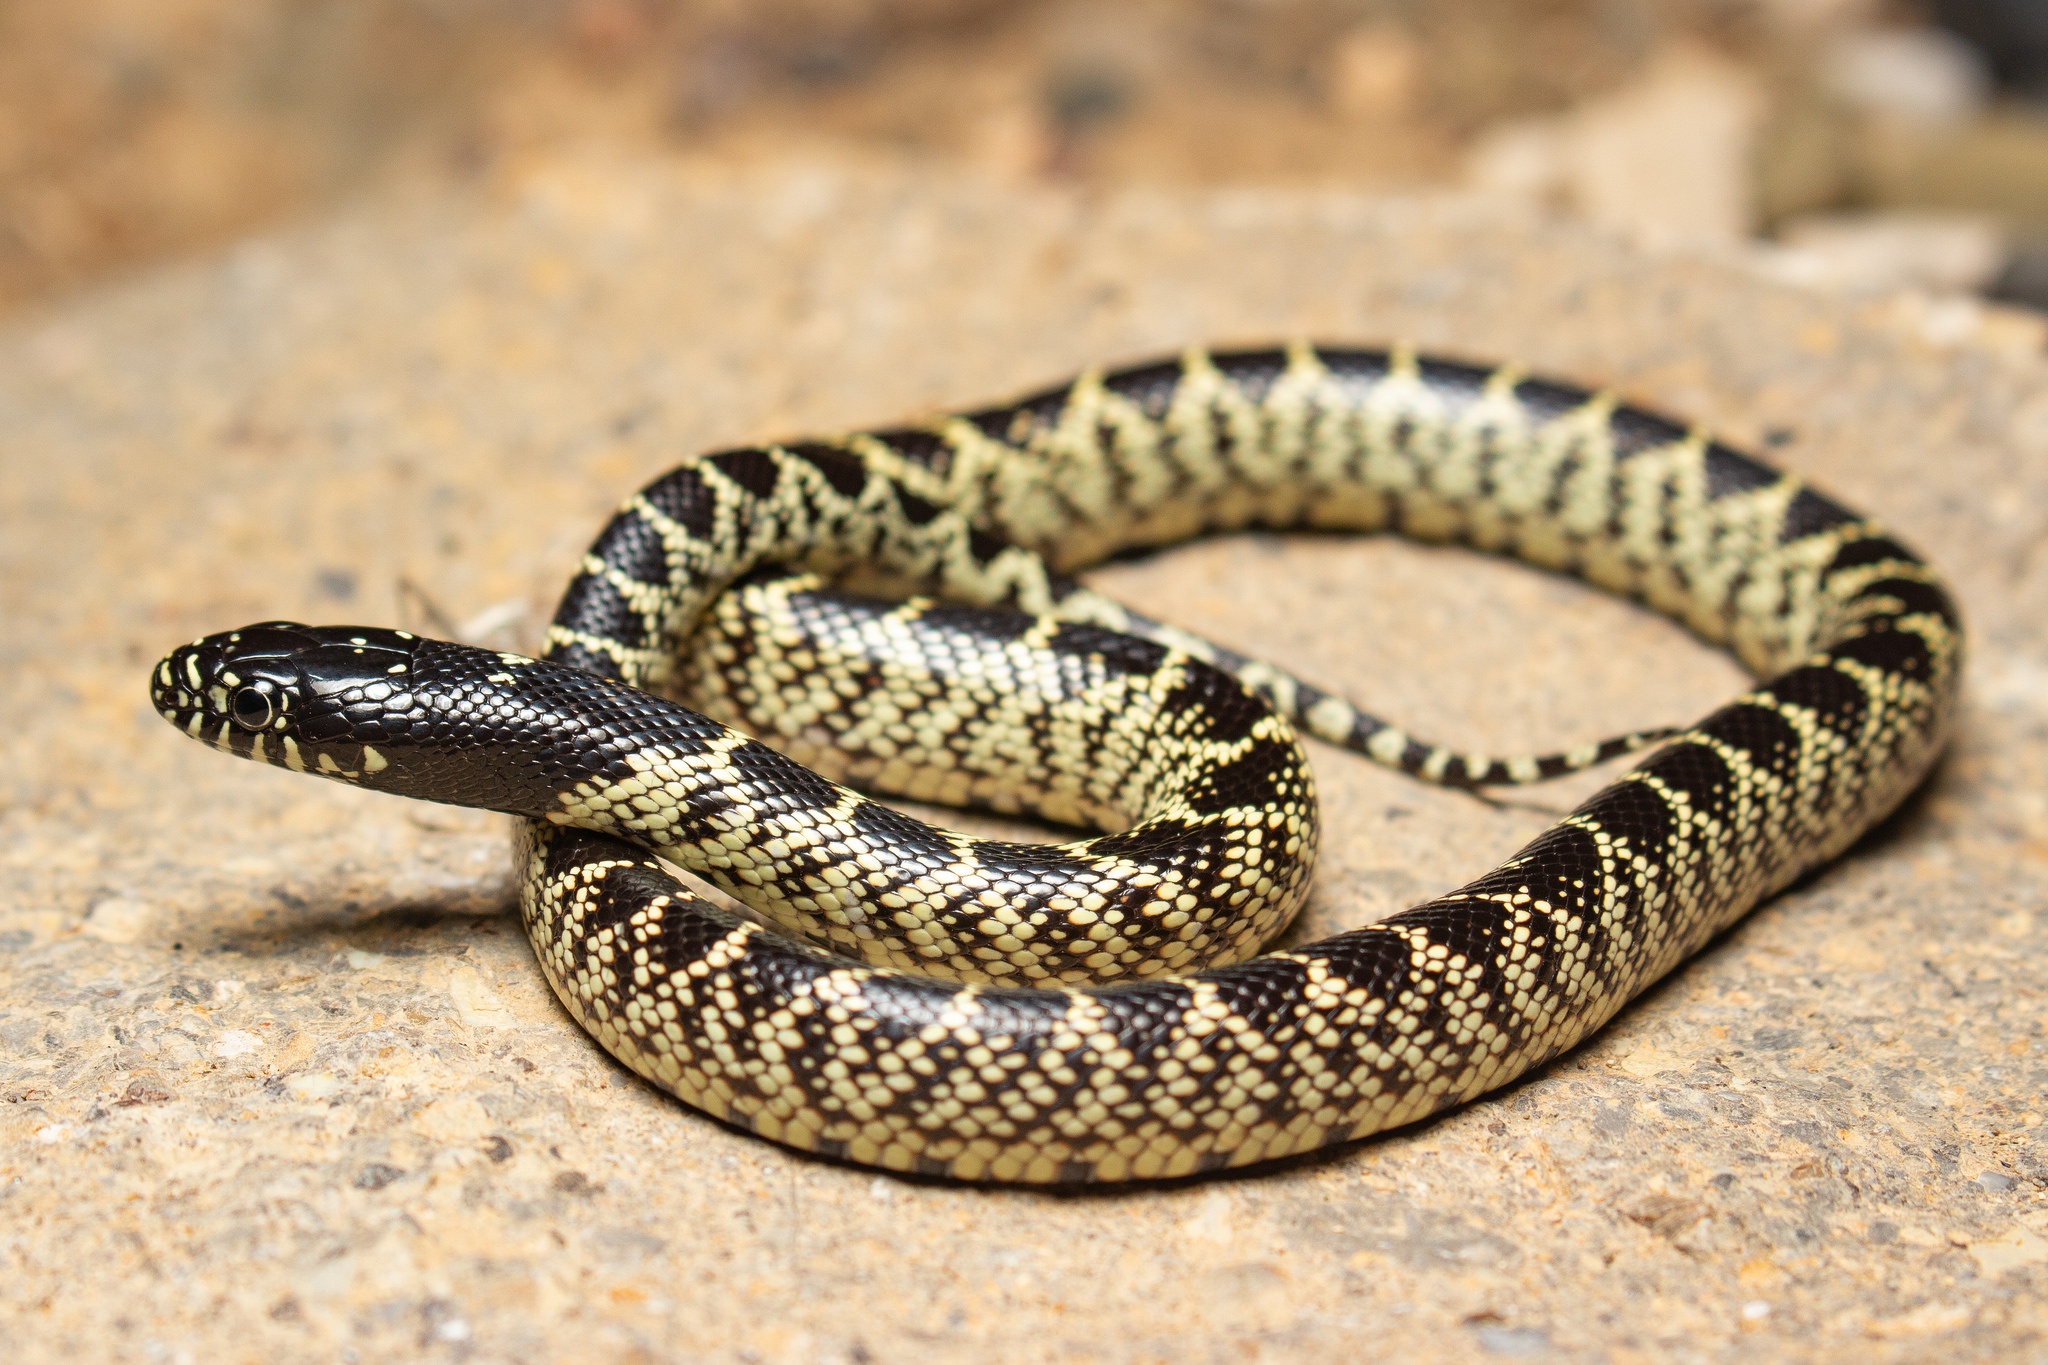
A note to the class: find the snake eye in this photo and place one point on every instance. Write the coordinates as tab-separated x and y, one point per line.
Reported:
251	707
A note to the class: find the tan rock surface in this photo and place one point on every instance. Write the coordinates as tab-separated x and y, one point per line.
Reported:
281	1081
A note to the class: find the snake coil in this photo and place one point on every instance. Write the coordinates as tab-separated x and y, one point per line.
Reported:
1092	1011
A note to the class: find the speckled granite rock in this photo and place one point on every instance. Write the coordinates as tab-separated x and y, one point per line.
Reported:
280	1080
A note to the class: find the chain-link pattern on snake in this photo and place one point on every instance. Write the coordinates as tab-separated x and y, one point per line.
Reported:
1093	1011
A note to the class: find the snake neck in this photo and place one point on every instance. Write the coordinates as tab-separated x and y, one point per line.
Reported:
496	731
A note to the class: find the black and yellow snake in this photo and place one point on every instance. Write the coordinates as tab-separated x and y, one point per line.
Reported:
1093	1011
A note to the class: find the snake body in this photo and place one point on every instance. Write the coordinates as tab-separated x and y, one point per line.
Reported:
1090	1012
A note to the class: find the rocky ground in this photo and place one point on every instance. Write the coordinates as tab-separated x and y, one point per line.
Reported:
279	1079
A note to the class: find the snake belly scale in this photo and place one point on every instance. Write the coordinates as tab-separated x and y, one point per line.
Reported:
1092	1011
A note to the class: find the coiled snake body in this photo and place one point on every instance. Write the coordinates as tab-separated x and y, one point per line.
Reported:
1092	1011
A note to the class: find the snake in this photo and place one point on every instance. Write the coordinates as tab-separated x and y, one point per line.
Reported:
725	906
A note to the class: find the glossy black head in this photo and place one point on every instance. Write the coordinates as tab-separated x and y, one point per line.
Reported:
418	717
308	698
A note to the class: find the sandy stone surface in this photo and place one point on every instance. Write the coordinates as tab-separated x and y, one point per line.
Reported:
279	1080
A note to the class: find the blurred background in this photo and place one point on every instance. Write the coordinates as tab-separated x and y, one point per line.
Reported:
1854	144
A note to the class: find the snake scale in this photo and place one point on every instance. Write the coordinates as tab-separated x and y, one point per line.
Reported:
1093	1011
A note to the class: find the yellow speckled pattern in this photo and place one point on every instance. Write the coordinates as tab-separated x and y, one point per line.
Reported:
983	1010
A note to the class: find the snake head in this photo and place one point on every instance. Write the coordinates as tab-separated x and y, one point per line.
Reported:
396	712
313	699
